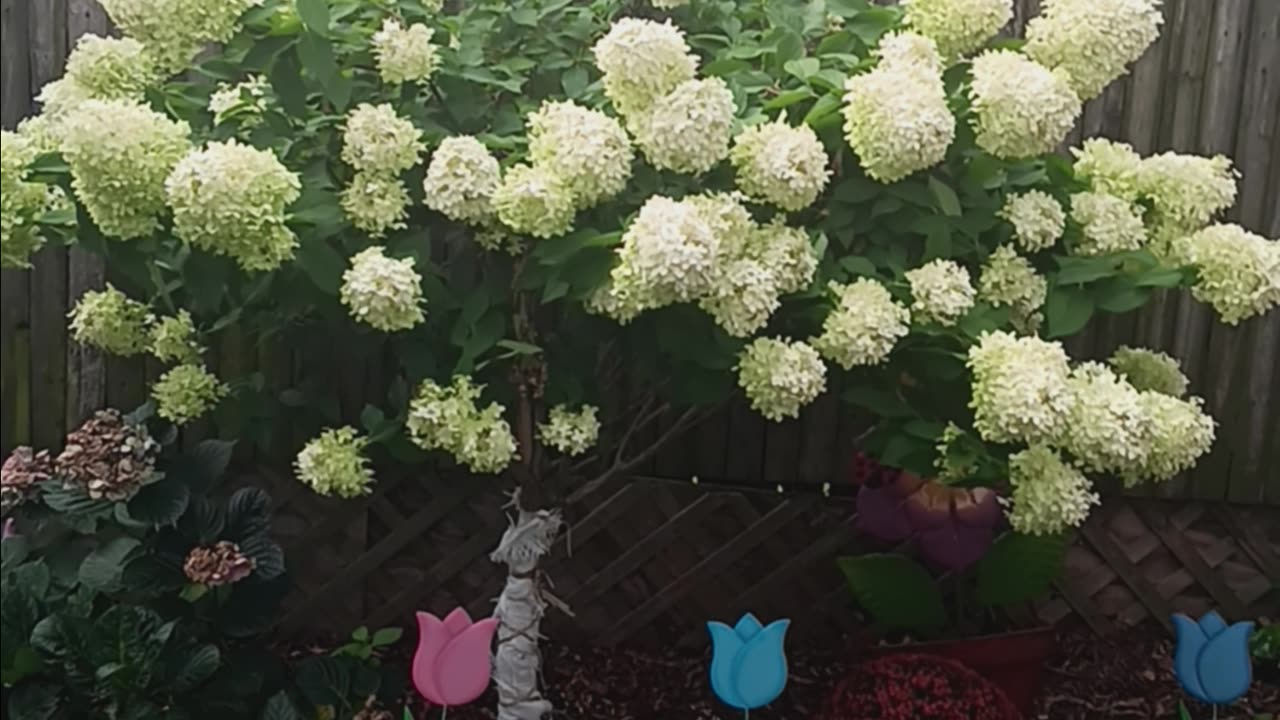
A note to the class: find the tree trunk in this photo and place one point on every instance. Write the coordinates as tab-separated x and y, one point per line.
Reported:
517	661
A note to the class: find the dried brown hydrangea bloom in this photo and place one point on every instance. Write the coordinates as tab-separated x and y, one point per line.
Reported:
221	564
108	457
20	474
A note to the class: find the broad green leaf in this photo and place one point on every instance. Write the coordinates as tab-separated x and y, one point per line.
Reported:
944	197
280	707
322	264
1081	270
858	266
1067	311
372	418
387	636
1120	295
804	68
32	701
101	569
71	500
787	98
1160	278
574	81
314	14
323	680
1018	568
160	503
826	105
198	665
896	591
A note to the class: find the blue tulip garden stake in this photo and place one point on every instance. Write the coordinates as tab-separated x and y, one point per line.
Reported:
748	662
1212	659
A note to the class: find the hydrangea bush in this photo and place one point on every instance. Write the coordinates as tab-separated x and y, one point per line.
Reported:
521	207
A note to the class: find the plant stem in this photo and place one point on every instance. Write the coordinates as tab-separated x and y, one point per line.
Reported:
444	713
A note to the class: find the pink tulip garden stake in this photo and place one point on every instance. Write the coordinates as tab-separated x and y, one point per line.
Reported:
451	666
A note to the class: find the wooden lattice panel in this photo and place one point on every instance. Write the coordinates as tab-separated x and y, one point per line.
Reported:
651	560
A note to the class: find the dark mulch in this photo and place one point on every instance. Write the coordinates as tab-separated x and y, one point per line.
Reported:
1126	677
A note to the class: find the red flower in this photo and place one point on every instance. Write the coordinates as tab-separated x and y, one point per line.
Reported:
916	687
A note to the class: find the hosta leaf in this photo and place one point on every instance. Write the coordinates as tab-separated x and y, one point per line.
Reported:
896	591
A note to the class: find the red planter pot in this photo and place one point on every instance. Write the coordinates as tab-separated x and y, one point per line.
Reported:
1013	661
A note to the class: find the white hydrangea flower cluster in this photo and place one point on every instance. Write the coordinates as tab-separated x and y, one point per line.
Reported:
405	54
1049	495
22	202
942	292
333	464
680	123
668	255
186	392
1020	108
642	62
1020	391
783	165
377	140
375	203
1110	167
173	339
959	27
585	148
786	252
572	433
100	68
42	132
1104	427
742	297
1092	41
120	154
1108	224
706	248
1186	191
896	117
1178	433
461	180
230	199
1037	218
175	30
1149	370
780	376
1239	271
245	101
1009	280
383	292
687	130
109	320
447	418
533	200
864	326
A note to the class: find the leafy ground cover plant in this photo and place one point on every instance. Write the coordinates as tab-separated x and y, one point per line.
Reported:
524	208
